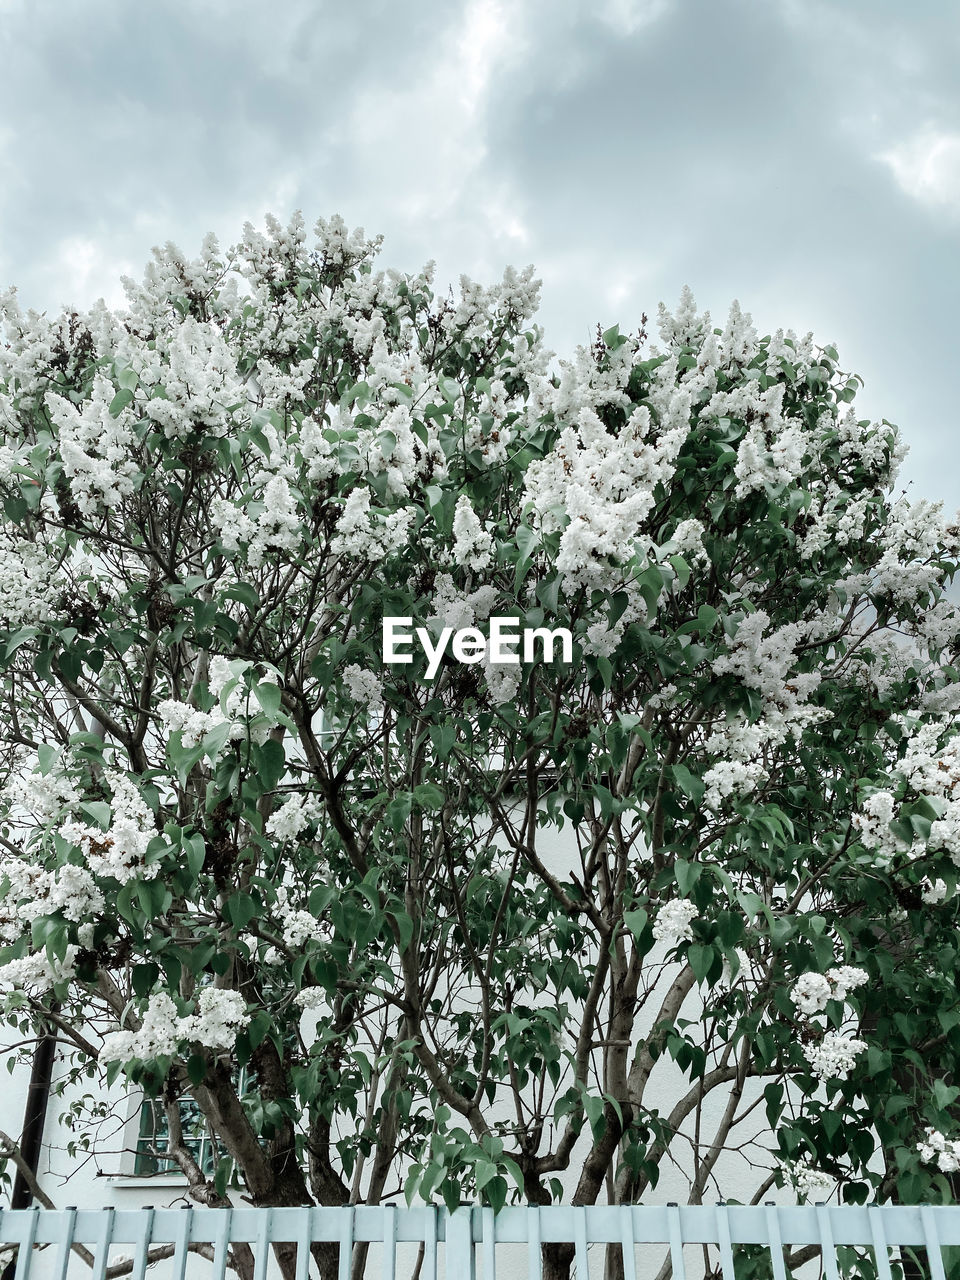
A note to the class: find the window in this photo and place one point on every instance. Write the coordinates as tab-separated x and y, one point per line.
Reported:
152	1136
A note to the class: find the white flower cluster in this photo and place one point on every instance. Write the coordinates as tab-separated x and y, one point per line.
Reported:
95	447
392	448
834	1057
913	539
730	778
292	817
311	998
119	851
219	1015
873	820
33	892
301	927
770	454
364	689
276	528
191	724
930	766
683	327
364	535
458	610
30	581
598	487
37	972
201	381
811	1184
933	891
502	681
674	921
687	541
764	662
944	1152
812	991
472	544
224	681
36	798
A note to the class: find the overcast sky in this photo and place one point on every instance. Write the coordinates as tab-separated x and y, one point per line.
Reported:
801	156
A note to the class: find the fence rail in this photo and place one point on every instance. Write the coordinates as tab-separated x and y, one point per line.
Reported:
457	1244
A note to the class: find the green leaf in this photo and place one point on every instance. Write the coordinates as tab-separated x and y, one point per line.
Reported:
691	786
527	543
269	696
700	959
635	921
398	810
99	811
686	875
120	402
271	763
682	570
429	796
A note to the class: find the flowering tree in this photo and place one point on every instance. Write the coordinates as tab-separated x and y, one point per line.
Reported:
455	928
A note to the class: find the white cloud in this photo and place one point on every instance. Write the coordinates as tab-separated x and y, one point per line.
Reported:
425	142
927	167
83	269
627	17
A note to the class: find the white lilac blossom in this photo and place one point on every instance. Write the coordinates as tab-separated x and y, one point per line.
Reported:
472	544
36	797
930	767
687	541
684	326
200	382
192	725
119	851
811	991
33	892
598	487
95	446
730	778
37	972
502	681
457	609
364	688
763	662
366	535
301	927
30	581
834	1057
674	921
933	891
235	706
811	1184
936	1149
219	1015
873	823
311	998
293	816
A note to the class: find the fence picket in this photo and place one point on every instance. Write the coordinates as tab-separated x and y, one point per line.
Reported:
25	1252
141	1249
389	1242
932	1240
882	1227
879	1239
66	1244
489	1227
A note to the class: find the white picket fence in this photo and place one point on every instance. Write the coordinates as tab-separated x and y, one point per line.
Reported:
467	1243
